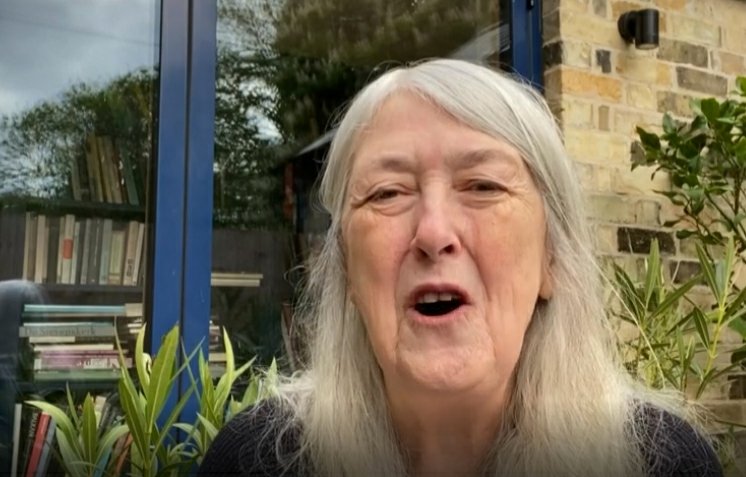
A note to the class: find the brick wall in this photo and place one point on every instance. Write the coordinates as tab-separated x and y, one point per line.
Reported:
601	89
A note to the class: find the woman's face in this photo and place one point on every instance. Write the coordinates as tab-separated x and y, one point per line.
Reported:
444	236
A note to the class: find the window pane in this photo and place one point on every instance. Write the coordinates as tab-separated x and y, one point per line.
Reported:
76	147
285	68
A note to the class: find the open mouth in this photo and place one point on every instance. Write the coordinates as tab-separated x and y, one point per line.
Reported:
437	304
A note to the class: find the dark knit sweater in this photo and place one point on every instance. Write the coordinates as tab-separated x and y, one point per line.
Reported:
239	450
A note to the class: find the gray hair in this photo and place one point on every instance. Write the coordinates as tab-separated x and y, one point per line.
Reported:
572	408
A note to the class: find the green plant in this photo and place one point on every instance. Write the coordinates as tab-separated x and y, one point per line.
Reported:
705	158
155	449
217	404
82	452
677	340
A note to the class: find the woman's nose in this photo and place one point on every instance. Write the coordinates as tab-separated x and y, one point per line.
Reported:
436	233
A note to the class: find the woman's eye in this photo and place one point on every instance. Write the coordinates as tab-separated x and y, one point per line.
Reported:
485	186
383	194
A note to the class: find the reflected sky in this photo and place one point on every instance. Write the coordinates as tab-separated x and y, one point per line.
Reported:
48	45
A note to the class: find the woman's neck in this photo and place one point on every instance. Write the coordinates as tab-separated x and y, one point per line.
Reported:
447	434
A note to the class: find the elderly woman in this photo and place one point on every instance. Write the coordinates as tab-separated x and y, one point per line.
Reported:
457	325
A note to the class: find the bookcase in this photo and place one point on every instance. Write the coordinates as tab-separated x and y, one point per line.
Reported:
72	281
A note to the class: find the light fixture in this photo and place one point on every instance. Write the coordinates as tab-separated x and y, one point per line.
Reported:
640	27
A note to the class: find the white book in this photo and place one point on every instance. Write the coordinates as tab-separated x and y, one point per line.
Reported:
40	268
76	248
130	253
103	264
16	438
139	253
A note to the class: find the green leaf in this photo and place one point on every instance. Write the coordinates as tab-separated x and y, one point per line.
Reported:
134	414
649	140
708	269
669	124
739	326
62	421
161	376
741	84
710	109
702	330
109	439
88	431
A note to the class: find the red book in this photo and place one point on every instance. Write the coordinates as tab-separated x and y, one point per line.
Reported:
41	434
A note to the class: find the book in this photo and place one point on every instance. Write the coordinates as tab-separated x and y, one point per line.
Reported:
116	256
40	267
72	278
38	443
61	360
29	423
67	234
17	416
129	277
94	256
73	346
52	246
103	268
77	375
29	247
74	310
94	172
67	329
139	254
86	230
46	451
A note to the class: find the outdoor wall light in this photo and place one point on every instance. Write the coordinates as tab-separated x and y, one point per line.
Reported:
640	27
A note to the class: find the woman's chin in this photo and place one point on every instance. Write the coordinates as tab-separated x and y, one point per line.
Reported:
443	370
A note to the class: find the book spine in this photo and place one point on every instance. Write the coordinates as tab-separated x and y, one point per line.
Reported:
86	253
116	257
16	438
52	246
139	253
95	254
77	251
94	174
31	423
103	269
29	246
130	254
79	330
46	452
93	360
38	444
40	265
66	254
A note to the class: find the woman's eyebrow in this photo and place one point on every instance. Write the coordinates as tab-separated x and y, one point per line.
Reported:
389	163
477	157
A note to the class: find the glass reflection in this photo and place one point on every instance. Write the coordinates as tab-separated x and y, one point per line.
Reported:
285	68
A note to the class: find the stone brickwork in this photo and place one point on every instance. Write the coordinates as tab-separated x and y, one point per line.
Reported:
601	89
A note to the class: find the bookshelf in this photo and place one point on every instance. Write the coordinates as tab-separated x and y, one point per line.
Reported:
73	267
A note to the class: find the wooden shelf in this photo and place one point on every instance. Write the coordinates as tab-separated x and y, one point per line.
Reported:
80	208
70	288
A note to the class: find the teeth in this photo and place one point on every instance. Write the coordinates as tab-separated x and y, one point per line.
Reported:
435	297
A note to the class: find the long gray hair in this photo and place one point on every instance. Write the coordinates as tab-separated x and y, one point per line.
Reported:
572	407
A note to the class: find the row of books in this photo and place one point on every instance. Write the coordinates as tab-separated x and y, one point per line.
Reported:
73	250
34	441
104	174
78	342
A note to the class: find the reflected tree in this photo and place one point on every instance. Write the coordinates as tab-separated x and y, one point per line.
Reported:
39	146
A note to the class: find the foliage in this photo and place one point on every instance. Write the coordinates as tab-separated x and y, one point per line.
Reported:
155	451
82	452
705	158
216	403
677	340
